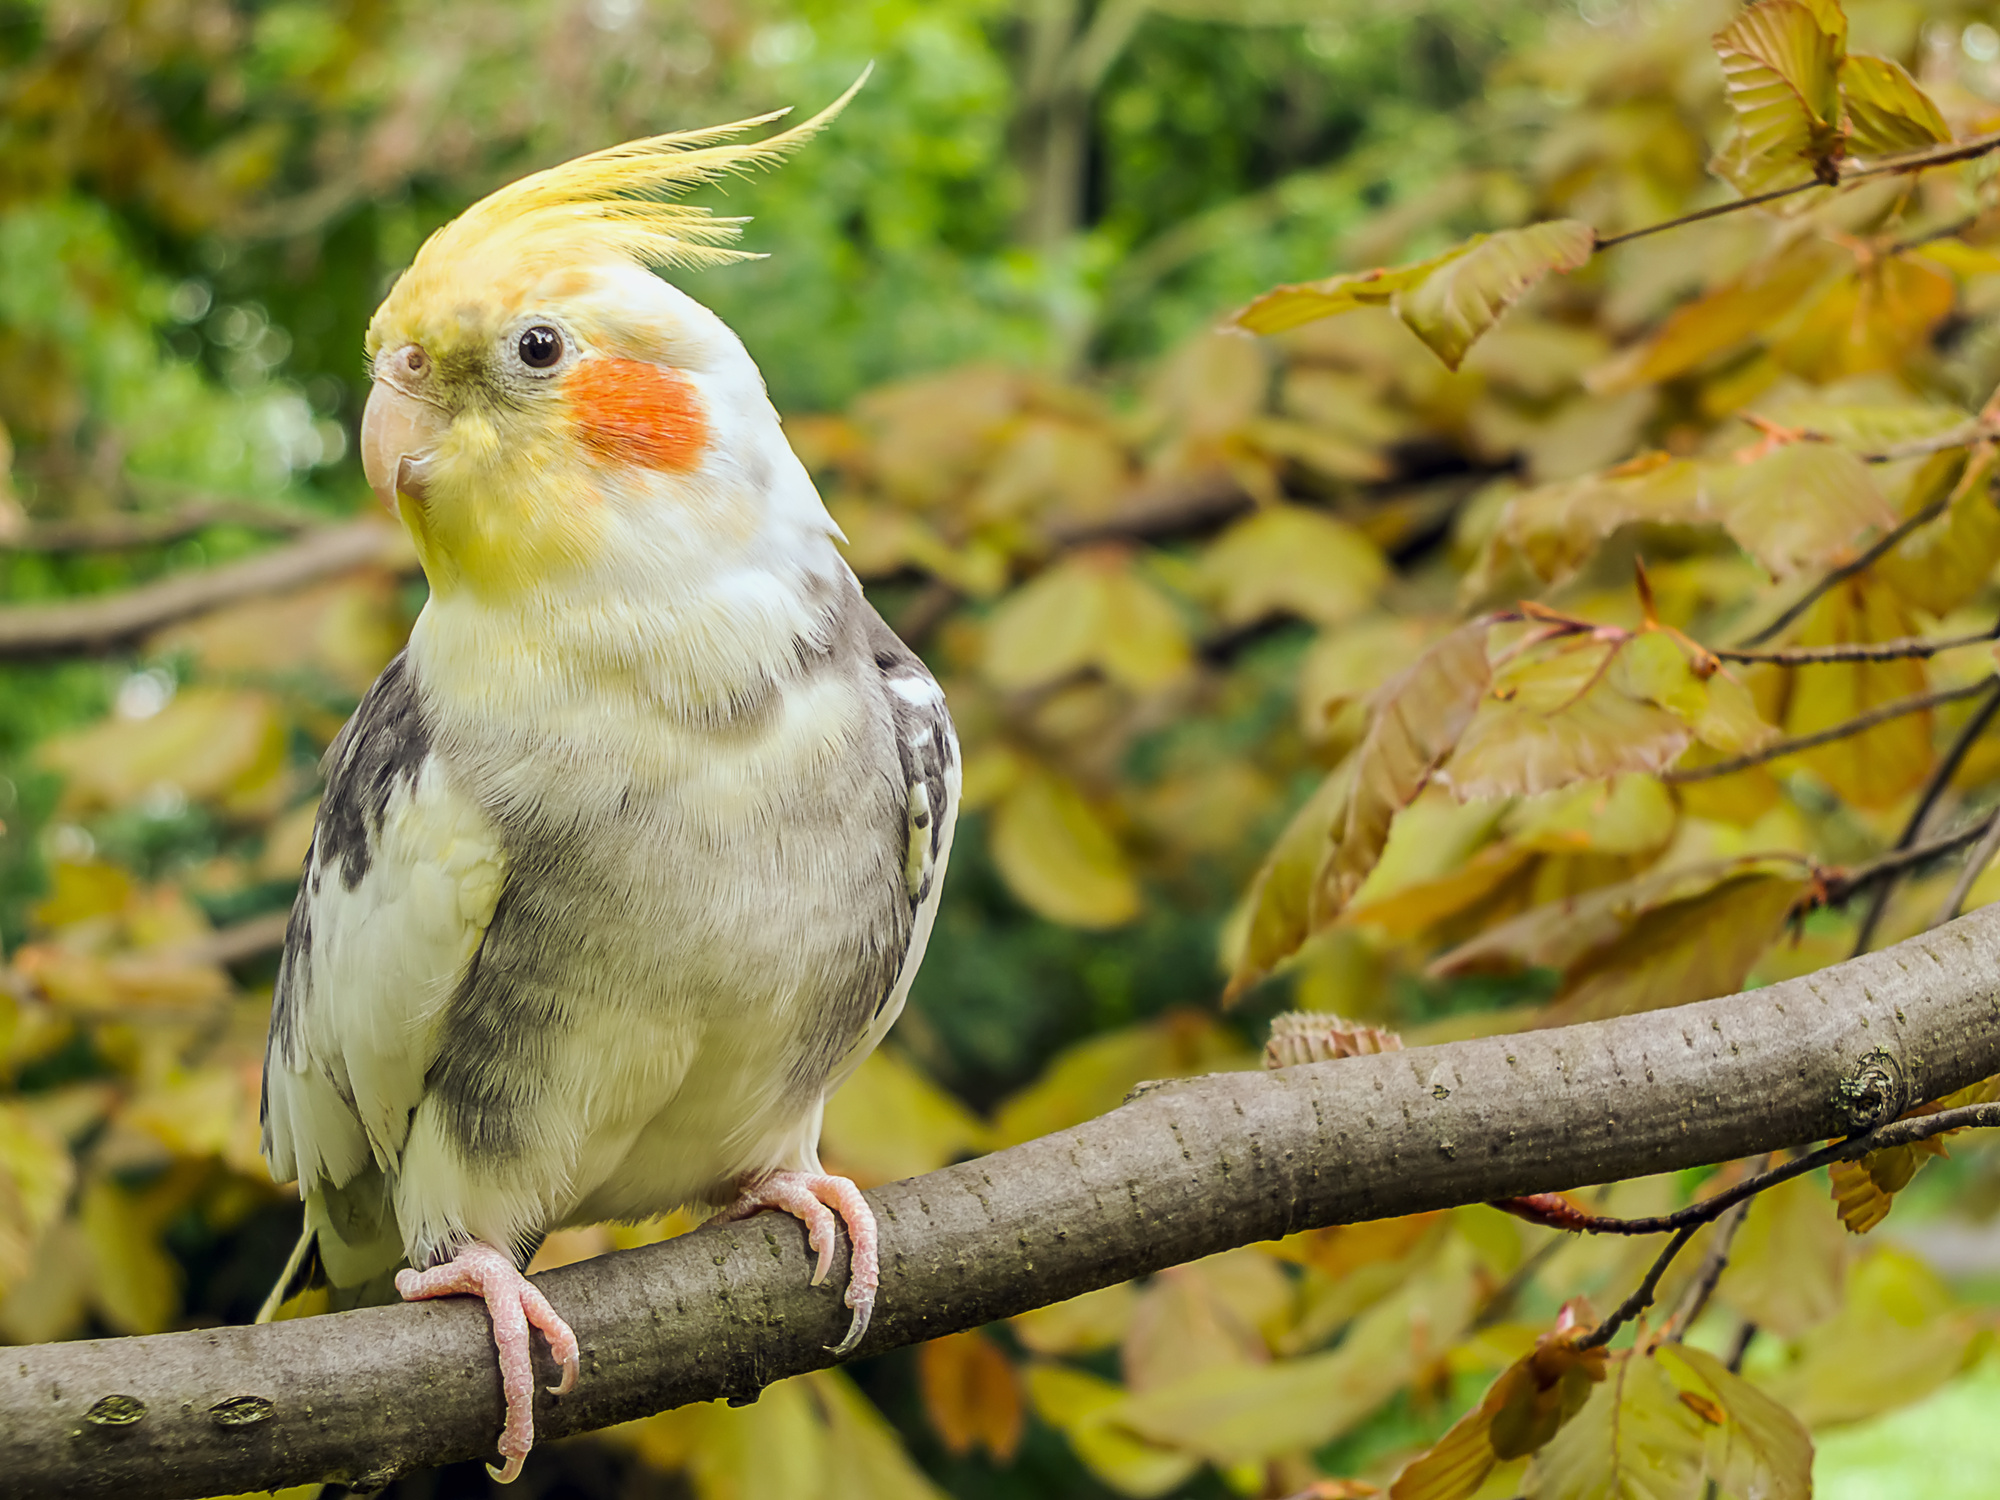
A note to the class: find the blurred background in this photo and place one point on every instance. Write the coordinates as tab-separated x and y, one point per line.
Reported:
1156	566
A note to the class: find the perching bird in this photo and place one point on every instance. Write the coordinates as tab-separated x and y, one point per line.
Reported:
629	859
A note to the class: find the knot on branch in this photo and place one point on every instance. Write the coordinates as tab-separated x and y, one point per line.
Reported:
1871	1093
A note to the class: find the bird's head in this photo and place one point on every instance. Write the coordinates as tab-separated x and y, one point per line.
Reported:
544	407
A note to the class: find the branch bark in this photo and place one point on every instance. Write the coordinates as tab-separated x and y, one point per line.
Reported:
1184	1169
32	631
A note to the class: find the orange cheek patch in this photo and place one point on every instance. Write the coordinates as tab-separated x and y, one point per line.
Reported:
630	412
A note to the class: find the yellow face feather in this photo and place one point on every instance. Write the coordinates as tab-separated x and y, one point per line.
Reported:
613	203
509	467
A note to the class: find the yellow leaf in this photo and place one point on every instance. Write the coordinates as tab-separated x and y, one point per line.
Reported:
1559	718
971	1394
287	842
212	744
1634	1439
1057	856
135	1284
1089	610
1874	768
35	1176
1081	1325
1451	305
1723	319
1624	815
1680	951
888	1122
1781	70
1233	1415
1081	1406
82	891
1756	1447
1290	560
1897	1336
1556	528
1180	1328
1942	564
1277	910
1800	508
1873	320
1886	112
1094	1076
1287	307
1351	661
1053	465
1526	1406
347	627
1418	719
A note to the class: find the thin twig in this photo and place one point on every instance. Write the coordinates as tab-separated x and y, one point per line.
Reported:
1905	648
1840	886
1934	786
1713	1264
1911	162
1690	1220
1642	1295
1882	545
1859	724
1981	856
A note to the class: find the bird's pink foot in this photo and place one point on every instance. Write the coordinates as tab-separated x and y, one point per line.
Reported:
815	1197
512	1302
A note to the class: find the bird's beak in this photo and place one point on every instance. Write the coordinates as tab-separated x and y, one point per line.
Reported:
399	433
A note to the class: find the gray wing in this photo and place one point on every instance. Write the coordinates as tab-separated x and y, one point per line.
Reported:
927	751
399	888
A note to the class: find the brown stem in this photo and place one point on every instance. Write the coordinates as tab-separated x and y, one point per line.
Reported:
1941	156
1906	648
32	631
1690	1220
1975	862
1840	886
1884	544
1859	724
113	532
1940	778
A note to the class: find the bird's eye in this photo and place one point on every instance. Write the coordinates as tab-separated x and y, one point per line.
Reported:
541	347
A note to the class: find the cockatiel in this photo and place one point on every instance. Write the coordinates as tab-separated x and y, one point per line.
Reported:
628	860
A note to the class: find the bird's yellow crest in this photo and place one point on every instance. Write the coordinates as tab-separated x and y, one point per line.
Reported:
619	201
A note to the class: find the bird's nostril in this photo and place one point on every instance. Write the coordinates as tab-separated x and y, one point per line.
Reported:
415	360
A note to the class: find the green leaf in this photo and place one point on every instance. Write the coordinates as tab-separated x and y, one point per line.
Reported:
1465	294
1886	112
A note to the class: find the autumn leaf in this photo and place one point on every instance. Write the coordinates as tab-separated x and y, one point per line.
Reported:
1287	559
1464	295
1755	1447
1055	853
1299	1037
1287	307
1886	112
971	1394
1634	1439
1276	916
1875	767
1781	68
35	1177
1788	1266
1801	507
1521	1411
1554	719
1089	610
1416	723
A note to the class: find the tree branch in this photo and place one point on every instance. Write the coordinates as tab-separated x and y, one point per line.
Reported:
1183	1170
1777	749
32	631
1905	648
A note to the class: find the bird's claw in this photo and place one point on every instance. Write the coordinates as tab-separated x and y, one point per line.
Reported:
814	1198
513	1303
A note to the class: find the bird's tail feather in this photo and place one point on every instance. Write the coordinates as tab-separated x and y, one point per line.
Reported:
302	1273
